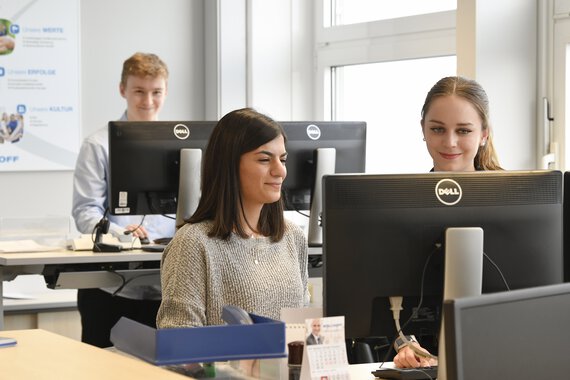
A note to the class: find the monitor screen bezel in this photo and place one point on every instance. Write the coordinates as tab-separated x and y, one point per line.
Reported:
487	336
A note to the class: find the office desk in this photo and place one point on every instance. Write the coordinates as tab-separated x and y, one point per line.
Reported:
79	269
40	354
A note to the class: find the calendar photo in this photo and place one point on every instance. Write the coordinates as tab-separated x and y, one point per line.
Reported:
328	330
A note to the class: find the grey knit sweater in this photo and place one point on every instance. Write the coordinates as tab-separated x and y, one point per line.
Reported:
199	275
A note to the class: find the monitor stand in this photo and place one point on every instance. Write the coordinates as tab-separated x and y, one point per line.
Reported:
463	274
325	162
189	184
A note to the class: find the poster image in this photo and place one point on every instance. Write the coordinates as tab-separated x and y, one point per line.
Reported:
39	84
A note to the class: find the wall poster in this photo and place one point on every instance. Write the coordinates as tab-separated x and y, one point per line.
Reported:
39	84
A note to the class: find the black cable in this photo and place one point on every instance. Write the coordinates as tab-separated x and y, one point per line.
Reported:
132	279
97	225
128	232
93	232
498	270
125	282
417	308
156	210
414	313
289	205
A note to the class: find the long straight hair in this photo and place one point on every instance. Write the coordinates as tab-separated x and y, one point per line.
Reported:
470	90
238	132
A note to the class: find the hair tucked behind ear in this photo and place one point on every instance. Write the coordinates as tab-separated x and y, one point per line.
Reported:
470	90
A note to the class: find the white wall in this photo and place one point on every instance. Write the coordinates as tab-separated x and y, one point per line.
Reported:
111	31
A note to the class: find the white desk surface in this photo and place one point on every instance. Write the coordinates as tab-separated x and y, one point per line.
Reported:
40	354
15	264
364	371
56	299
75	257
356	371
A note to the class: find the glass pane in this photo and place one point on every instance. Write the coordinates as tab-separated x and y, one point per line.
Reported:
355	11
566	148
389	97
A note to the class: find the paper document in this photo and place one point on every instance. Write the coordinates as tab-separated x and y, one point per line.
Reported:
13	246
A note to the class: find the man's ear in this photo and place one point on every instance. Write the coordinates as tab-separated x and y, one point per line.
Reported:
122	90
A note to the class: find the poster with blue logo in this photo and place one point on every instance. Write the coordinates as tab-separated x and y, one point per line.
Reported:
39	84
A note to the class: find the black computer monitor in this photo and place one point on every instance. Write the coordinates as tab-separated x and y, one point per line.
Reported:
145	161
301	188
380	229
520	335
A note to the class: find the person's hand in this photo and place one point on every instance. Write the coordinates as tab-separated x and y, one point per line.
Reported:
6	43
137	231
407	358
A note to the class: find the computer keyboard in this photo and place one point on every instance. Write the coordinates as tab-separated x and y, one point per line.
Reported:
162	241
153	247
406	373
158	246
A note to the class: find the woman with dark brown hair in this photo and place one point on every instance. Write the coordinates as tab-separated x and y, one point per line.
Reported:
237	248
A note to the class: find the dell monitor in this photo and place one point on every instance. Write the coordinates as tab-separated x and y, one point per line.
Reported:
150	161
380	230
315	149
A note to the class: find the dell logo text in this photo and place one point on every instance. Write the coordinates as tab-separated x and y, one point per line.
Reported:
313	132
448	192
181	131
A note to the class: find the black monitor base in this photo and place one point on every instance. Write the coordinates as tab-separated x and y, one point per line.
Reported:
102	247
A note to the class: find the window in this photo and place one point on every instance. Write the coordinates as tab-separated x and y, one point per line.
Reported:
559	140
344	12
389	97
380	71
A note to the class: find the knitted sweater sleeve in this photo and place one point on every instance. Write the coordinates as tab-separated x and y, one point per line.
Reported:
183	280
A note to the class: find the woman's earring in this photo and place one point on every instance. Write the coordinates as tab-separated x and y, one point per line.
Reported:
424	139
483	142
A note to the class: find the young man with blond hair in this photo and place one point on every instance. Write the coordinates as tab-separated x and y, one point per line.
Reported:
144	86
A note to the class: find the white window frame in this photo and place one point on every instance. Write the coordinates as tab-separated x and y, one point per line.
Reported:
413	37
557	139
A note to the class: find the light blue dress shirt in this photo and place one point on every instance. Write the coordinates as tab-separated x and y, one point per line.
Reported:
90	187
